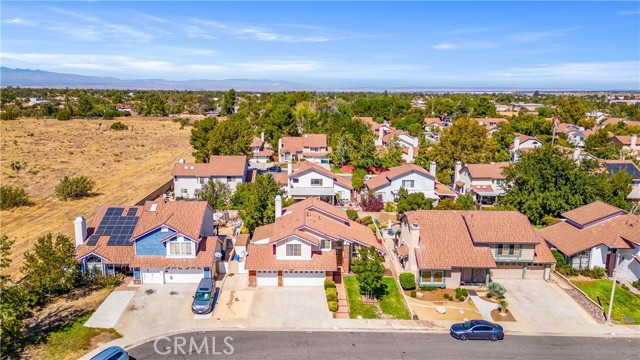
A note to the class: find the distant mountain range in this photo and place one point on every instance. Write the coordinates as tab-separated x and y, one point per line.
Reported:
40	78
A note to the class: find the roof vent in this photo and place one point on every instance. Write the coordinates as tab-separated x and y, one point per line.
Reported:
186	167
153	207
192	167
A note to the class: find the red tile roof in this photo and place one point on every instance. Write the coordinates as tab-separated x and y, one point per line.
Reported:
295	144
256	142
242	240
217	166
612	121
487	171
589	213
385	178
306	166
121	254
622	139
186	217
499	227
261	257
431	121
204	258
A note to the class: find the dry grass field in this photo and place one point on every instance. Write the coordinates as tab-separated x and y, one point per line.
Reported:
125	165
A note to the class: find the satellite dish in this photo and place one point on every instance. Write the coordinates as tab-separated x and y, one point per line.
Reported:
218	255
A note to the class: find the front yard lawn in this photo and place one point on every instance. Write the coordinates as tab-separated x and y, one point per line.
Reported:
625	303
390	303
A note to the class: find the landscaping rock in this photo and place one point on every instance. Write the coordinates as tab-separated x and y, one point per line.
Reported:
419	294
441	309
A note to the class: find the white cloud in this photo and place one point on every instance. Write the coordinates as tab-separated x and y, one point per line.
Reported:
603	72
474	30
534	36
628	12
445	46
266	34
19	21
98	29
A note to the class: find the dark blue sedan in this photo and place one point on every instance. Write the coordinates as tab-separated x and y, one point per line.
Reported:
477	330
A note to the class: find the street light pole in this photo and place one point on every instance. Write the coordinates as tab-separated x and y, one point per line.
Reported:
613	288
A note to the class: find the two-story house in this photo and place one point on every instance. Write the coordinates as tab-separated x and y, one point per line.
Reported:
491	124
434	125
412	178
158	242
630	168
378	129
308	243
627	143
258	152
452	248
310	147
522	144
595	235
308	179
486	182
409	144
188	178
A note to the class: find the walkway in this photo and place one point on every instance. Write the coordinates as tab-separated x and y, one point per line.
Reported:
108	313
484	307
343	304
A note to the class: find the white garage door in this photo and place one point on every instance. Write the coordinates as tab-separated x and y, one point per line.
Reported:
151	276
303	278
267	278
183	275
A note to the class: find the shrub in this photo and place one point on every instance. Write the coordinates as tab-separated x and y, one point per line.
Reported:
13	197
567	270
496	289
559	258
333	306
332	294
446	296
624	286
118	126
74	187
549	220
413	293
636	284
503	304
17	165
367	220
63	114
407	281
460	297
372	202
390	207
328	284
352	214
597	272
428	287
462	292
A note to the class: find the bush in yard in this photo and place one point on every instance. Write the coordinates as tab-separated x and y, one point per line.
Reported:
352	215
332	294
372	202
496	289
367	220
118	126
13	197
503	305
636	284
460	298
567	270
463	293
624	286
74	187
428	287
333	306
407	281
597	272
390	207
413	293
446	296
329	284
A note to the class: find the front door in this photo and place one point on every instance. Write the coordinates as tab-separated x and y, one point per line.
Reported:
478	275
339	256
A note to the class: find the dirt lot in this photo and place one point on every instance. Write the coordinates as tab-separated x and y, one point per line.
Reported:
126	166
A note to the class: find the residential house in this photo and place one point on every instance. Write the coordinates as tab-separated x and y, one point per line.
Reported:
486	182
527	106
627	143
522	144
308	180
309	242
491	124
412	178
258	152
630	168
594	234
312	147
612	121
37	101
452	248
434	125
158	242
378	129
188	178
409	144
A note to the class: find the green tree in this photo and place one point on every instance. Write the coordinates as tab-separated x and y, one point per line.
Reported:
10	113
392	155
256	201
64	114
357	178
448	204
231	137
74	187
413	201
200	135
229	103
216	193
463	140
572	110
369	270
466	201
51	268
484	108
599	146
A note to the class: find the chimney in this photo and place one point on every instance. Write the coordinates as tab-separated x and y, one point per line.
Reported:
456	173
516	144
289	169
181	161
415	235
380	133
80	227
278	206
432	168
262	136
576	154
634	141
410	154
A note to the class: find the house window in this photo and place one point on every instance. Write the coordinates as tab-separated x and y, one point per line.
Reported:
314	149
433	276
407	184
316	182
425	276
295	181
509	250
203	180
294	249
184	191
180	248
230	179
325	244
437	276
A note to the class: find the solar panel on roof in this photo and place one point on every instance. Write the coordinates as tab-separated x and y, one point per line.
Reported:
93	239
118	224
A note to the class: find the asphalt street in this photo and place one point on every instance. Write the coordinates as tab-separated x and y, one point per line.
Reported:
379	345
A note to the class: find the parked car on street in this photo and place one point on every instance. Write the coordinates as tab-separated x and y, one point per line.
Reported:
477	330
204	299
274	169
112	353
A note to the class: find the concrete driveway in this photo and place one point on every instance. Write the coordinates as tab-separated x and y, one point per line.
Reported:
290	306
543	307
111	309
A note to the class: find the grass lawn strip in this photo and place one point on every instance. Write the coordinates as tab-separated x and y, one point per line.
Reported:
391	303
626	303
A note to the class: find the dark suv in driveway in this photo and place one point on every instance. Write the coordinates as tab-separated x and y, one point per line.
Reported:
477	330
204	299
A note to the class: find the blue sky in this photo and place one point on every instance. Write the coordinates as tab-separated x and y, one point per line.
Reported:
591	45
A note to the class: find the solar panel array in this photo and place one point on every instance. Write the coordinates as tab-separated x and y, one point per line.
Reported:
117	226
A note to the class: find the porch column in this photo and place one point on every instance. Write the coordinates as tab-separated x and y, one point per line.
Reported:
486	277
252	278
279	277
346	257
